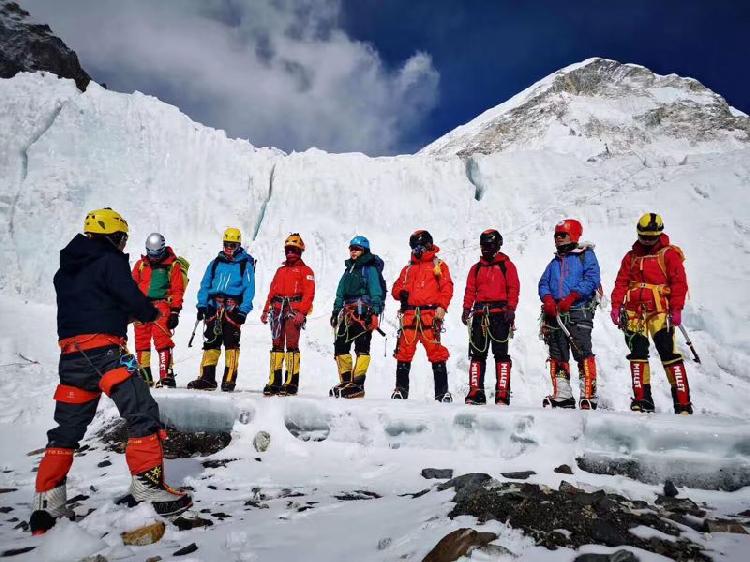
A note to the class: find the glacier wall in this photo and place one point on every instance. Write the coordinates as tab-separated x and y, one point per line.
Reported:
64	152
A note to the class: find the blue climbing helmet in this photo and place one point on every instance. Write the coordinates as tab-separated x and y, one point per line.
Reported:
360	241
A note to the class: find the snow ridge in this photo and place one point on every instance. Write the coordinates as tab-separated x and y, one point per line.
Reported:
597	108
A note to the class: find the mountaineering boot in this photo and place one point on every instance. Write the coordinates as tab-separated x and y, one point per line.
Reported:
149	486
353	390
401	392
356	388
562	394
476	393
680	387
231	364
47	507
640	376
476	382
207	379
50	499
440	376
166	375
502	382
275	374
587	383
146	462
291	383
344	366
144	366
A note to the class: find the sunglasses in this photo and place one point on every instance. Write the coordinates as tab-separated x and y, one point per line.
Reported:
561	234
232	245
356	249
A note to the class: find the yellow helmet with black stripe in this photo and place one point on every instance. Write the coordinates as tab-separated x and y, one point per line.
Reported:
650	224
104	221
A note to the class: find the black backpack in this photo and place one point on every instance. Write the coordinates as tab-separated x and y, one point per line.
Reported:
378	264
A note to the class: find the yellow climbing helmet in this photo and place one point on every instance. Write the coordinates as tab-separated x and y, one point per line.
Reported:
294	241
104	221
232	234
650	224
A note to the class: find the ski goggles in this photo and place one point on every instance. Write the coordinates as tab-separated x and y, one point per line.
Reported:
648	240
156	254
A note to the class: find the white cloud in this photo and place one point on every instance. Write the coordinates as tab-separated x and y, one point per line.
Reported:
279	72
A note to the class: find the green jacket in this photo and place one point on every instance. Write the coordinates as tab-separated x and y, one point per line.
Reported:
360	282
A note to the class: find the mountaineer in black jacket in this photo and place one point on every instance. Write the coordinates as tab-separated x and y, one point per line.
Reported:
96	298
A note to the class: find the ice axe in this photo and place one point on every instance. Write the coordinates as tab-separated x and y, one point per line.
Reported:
689	343
192	336
565	330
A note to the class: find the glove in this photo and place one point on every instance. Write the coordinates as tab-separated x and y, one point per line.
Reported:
238	317
298	319
201	313
509	316
439	313
374	322
676	316
615	315
334	318
549	307
264	317
565	304
465	316
403	296
173	320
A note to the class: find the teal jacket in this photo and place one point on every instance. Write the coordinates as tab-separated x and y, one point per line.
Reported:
360	283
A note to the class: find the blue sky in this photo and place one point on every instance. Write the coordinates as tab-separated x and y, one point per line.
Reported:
486	51
381	76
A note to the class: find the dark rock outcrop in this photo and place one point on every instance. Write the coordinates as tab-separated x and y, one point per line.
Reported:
26	46
438	473
179	444
571	517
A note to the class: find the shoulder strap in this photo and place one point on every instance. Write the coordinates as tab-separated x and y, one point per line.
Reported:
501	265
215	264
660	257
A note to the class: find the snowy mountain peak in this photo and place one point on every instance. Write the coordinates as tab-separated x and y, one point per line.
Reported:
600	107
26	46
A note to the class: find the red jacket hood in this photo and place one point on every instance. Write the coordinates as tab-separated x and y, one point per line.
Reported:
427	256
298	262
641	250
167	260
499	257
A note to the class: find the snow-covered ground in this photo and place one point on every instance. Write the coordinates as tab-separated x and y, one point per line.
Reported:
63	153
